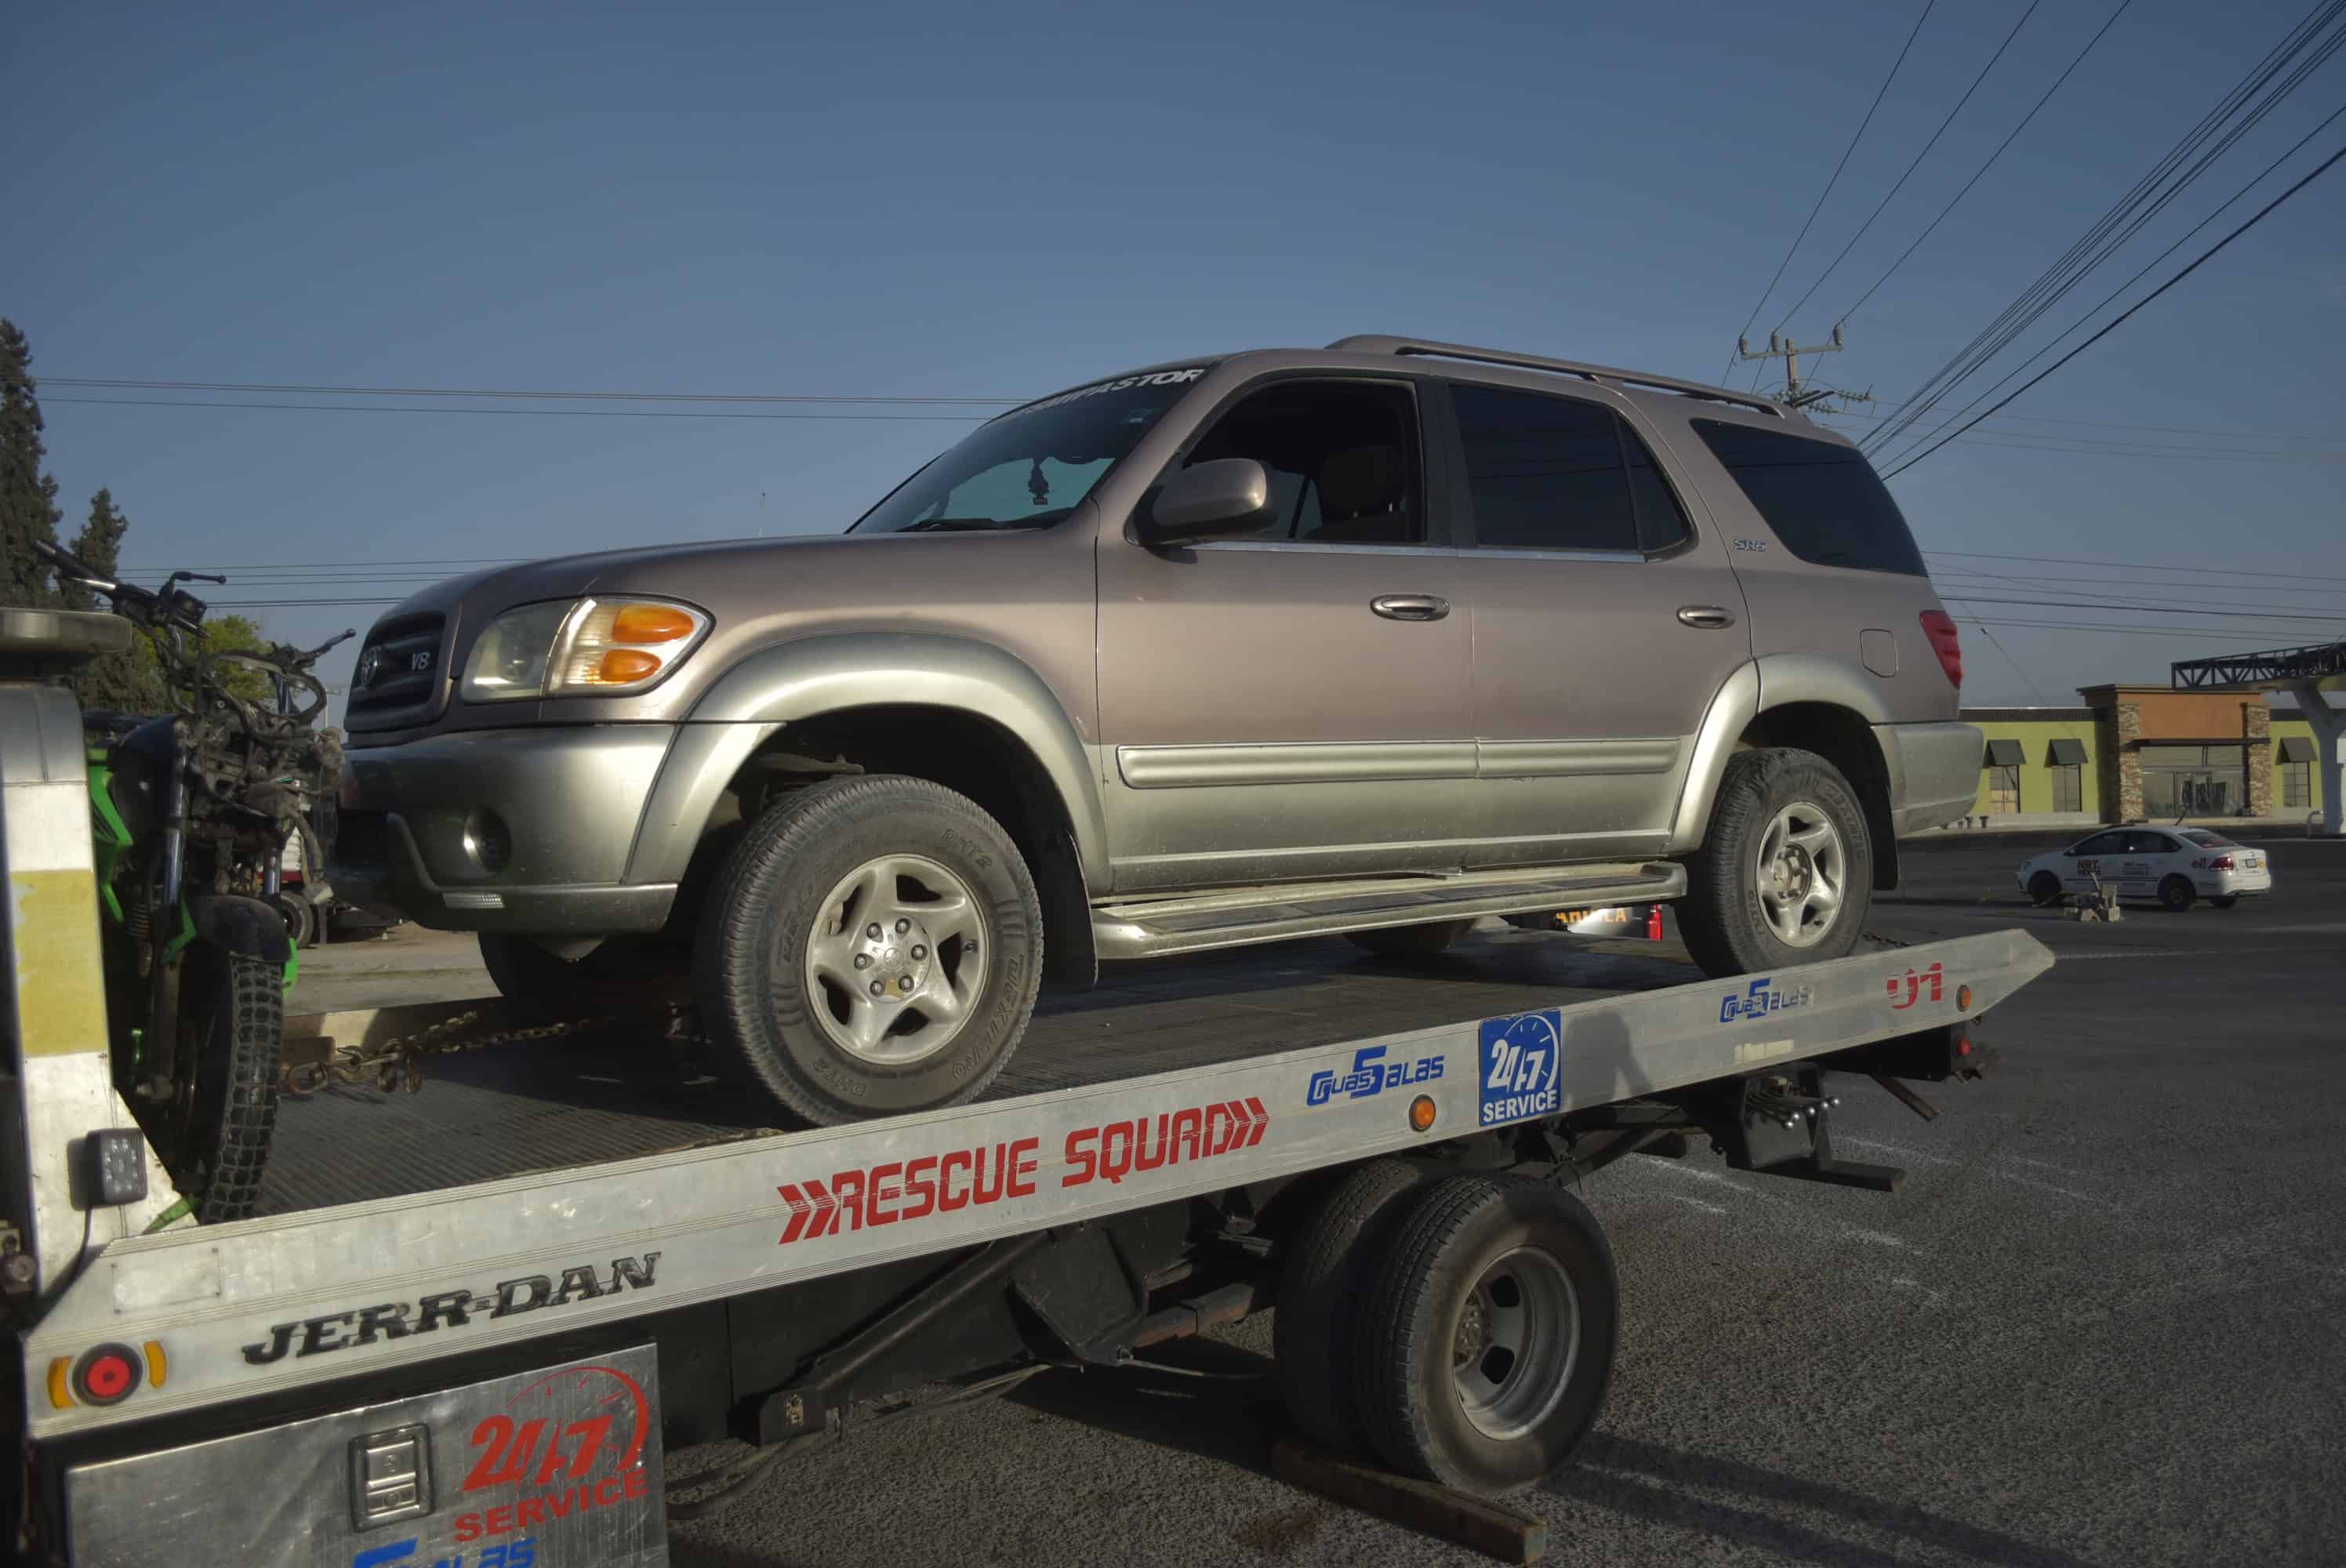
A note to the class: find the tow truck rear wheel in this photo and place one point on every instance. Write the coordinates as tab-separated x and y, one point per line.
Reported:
1485	1352
872	946
1329	1266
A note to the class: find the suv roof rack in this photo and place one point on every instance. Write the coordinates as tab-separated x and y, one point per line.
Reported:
1373	343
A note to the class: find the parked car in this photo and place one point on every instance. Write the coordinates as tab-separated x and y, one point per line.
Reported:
1370	640
2176	866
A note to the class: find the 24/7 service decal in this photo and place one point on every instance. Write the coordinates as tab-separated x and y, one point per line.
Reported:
1519	1078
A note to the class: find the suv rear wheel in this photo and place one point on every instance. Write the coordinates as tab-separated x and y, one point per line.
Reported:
872	946
1785	874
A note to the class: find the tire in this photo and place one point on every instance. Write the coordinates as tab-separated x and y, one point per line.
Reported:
300	916
1411	941
773	985
2045	890
1724	918
1499	1422
213	1138
2178	893
2224	901
1320	1291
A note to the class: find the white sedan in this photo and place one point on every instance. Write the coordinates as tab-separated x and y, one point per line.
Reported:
2173	865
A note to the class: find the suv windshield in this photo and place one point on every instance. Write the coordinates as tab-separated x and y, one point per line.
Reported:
1033	466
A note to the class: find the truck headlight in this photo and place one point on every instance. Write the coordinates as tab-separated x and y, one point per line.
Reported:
580	648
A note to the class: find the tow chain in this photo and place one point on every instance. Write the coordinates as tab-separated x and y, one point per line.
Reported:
399	1061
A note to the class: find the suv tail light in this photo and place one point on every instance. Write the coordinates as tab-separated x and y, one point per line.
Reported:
1940	627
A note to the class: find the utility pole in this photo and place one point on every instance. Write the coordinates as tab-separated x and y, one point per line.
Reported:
1794	394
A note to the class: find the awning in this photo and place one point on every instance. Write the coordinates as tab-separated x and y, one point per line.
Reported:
2065	753
2297	749
2004	754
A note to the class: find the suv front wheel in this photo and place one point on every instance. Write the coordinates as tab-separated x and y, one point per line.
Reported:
872	946
1785	873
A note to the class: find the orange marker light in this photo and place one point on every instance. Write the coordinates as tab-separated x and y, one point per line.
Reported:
60	1390
1421	1113
621	667
157	1367
1962	999
651	623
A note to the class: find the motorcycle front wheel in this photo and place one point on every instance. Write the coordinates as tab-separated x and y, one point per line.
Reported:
213	1136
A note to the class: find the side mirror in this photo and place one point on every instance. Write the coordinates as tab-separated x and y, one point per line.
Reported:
1224	499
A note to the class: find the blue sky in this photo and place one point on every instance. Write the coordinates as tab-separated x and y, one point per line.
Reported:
922	201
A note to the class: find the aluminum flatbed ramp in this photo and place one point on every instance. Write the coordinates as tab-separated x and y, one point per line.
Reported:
293	1301
562	1102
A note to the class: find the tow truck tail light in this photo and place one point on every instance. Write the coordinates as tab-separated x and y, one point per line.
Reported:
1940	627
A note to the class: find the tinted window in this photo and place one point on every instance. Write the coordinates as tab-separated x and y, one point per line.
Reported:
1341	456
2102	844
1824	502
1034	465
1545	473
2152	844
1661	521
2207	840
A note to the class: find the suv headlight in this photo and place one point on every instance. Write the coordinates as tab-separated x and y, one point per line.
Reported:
580	648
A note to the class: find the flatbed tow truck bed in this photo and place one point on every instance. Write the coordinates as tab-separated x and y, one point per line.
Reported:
469	1319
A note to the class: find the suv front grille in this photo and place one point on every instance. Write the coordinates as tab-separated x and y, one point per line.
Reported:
401	678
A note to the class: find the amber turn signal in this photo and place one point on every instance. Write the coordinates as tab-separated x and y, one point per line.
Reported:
621	667
651	623
1962	999
1421	1113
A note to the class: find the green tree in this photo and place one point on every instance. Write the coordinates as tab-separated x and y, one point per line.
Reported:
126	682
28	497
238	634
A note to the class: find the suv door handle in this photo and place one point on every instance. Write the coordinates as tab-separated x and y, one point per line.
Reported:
1410	607
1711	616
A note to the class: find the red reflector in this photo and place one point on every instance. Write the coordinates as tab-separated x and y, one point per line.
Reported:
106	1374
1962	1047
1940	627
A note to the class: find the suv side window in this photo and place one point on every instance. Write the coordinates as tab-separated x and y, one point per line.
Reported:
1822	500
1560	473
1342	458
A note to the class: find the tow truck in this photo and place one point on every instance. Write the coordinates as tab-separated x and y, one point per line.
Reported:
470	1321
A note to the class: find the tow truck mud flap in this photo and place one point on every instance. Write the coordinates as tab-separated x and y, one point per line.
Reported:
557	1468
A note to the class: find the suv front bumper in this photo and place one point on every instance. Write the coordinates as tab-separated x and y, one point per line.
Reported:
524	831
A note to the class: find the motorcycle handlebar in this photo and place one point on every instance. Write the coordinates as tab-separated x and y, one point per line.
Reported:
73	570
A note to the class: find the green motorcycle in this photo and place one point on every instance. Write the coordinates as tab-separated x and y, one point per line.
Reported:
190	814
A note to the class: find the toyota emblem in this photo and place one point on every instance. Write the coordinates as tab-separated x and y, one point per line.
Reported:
369	663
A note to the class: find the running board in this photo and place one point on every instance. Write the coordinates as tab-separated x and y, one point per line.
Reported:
1235	917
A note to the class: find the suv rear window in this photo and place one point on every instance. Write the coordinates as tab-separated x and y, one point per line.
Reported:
1823	501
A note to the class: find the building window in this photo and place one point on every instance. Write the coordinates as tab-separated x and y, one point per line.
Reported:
2069	789
2004	790
2194	781
2297	785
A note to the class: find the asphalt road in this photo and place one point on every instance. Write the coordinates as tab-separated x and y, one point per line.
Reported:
2100	1326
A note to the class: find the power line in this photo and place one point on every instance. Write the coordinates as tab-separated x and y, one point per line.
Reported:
2129	566
2136	207
2180	239
1794	247
2261	213
2200	632
542	413
2103	425
1984	167
137	384
1919	156
1963	583
2142	609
